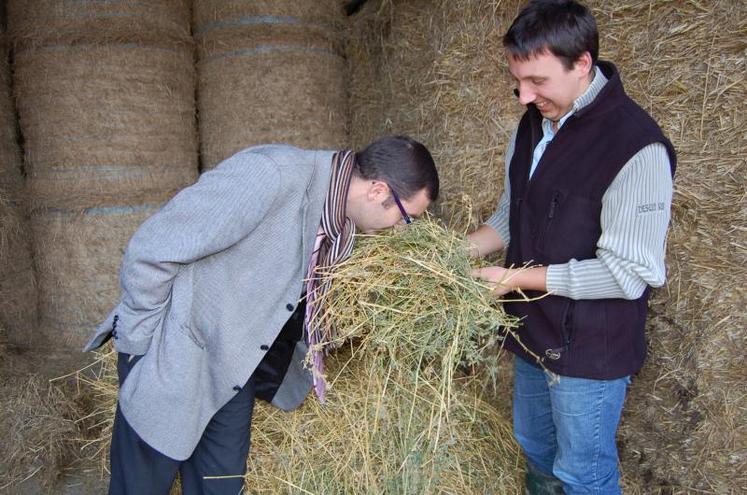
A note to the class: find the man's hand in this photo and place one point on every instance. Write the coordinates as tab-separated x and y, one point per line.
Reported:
484	241
496	277
509	279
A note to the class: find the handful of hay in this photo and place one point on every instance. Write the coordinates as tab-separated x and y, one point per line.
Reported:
408	299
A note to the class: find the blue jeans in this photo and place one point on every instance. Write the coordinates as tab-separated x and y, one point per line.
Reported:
567	428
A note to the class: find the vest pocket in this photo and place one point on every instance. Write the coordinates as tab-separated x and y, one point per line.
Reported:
566	335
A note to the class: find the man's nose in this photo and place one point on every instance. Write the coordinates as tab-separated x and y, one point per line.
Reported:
525	95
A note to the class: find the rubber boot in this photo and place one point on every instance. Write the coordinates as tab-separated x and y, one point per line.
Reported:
538	483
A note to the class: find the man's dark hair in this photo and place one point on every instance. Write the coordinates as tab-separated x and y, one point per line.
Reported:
403	163
565	28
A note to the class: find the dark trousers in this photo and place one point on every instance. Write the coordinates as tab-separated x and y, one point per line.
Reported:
216	467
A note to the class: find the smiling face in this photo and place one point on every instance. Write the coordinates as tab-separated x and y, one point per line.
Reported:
543	80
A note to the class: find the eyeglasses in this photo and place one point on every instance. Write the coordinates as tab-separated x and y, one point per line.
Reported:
405	216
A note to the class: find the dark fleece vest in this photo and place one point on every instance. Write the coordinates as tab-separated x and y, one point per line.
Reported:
555	217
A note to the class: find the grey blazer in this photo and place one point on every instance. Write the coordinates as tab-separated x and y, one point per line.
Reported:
207	284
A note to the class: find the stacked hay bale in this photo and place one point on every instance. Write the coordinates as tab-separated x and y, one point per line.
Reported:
269	71
420	68
686	64
17	284
105	94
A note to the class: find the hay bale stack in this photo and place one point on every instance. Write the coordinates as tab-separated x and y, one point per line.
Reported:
420	68
269	72
685	63
105	94
18	312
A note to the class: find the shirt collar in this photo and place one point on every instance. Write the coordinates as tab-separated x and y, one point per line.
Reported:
585	99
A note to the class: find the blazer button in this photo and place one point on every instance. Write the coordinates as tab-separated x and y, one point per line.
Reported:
263	347
236	388
289	307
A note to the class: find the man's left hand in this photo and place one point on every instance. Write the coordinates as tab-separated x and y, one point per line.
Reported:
509	279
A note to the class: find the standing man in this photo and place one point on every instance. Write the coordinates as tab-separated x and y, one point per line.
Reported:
585	208
210	314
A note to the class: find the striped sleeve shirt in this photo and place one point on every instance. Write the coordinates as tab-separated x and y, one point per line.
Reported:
634	220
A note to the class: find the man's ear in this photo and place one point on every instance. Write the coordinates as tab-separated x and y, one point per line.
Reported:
377	190
583	64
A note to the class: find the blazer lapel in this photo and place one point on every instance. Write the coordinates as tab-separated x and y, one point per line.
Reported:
316	193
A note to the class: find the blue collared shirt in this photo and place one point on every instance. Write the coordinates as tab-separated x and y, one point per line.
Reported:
547	135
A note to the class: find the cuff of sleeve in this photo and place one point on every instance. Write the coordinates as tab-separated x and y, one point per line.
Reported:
499	223
558	280
133	347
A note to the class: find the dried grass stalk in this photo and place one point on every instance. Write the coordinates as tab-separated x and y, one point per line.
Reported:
409	296
406	412
384	433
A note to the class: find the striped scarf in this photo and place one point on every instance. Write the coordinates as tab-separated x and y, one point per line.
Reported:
335	243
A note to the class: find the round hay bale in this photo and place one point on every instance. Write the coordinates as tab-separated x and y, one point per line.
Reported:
40	22
208	12
18	312
78	255
105	96
269	72
106	124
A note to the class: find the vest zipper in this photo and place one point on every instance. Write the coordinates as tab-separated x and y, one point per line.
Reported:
553	205
566	331
567	325
550	215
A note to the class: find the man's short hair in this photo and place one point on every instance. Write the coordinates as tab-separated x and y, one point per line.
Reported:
403	163
565	28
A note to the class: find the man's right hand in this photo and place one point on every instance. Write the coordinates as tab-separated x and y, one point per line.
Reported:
484	241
